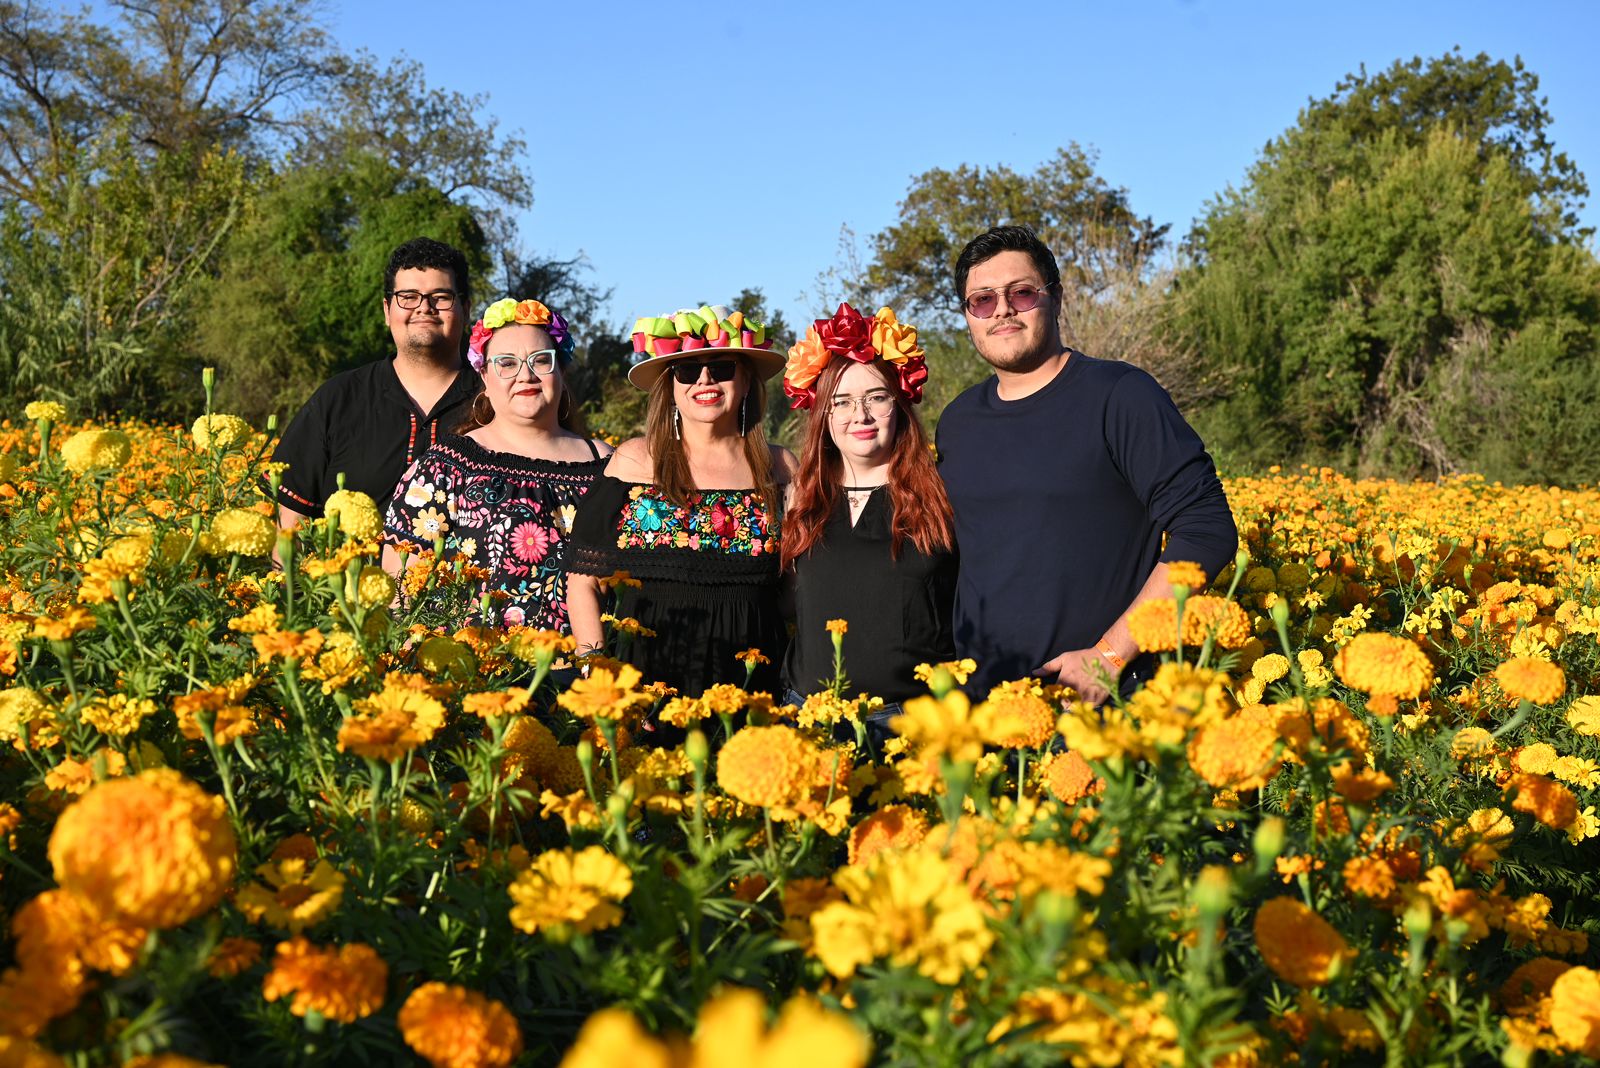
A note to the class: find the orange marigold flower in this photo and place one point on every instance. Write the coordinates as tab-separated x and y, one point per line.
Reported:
1236	753
1360	785
493	705
1298	945
1530	984
838	626
1472	743
1019	716
767	766
1370	877
1186	573
891	827
1531	679
608	693
751	657
294	893
1575	1010
342	984
1069	778
1544	799
154	850
232	956
453	1027
392	722
1384	665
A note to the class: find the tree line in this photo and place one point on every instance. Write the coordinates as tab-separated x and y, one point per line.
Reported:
1399	284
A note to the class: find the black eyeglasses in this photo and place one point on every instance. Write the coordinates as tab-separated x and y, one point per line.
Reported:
411	300
688	372
1023	297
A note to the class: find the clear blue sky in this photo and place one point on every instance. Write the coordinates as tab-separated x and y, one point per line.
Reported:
691	150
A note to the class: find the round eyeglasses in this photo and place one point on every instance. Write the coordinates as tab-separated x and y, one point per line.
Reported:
538	363
874	404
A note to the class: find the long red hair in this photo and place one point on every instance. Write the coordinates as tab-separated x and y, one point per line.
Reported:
919	504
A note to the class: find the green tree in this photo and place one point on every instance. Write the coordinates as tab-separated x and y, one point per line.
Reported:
1087	223
296	296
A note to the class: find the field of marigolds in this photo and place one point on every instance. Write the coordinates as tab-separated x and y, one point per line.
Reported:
263	816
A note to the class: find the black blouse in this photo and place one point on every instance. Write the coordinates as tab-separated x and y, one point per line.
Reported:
898	610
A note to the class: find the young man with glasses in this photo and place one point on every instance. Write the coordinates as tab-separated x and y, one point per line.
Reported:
371	422
1066	473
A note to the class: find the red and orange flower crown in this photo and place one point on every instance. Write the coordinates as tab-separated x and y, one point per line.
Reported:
853	336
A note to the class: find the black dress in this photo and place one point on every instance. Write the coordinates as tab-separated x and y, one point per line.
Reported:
898	610
709	575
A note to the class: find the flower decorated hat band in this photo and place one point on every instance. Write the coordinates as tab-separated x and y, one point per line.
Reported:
509	311
662	340
853	336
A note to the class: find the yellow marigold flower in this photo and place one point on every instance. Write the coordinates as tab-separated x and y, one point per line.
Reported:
1298	945
1575	1011
297	894
232	956
1537	758
612	1038
903	906
1584	827
288	644
566	891
838	626
358	515
230	718
1384	665
58	628
496	704
436	654
20	707
1294	576
607	693
732	1030
891	827
117	715
261	619
1360	785
767	766
1472	743
45	411
19	1052
1069	778
1019	716
1481	837
76	776
453	1027
627	625
372	588
1583	715
683	712
1237	753
154	850
1153	625
343	984
576	810
1187	573
96	450
950	725
1544	799
1531	679
533	646
1579	771
1270	668
220	431
392	722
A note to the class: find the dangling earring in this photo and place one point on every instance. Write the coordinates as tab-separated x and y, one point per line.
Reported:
677	434
744	405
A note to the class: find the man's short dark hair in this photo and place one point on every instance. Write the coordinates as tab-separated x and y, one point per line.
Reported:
998	239
424	253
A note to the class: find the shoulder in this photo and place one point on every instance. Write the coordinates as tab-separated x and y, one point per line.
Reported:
353	386
1126	387
602	446
784	465
630	462
968	399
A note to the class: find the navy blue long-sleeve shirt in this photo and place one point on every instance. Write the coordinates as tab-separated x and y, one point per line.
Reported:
1061	502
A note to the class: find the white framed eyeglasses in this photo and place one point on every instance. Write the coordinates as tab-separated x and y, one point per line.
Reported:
538	363
875	404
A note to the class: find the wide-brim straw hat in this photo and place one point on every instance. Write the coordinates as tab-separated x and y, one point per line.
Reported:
711	330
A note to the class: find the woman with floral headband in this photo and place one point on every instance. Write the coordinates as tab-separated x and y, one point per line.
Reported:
503	489
868	536
691	510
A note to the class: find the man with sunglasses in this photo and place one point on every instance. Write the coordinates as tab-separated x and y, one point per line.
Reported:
371	422
1073	479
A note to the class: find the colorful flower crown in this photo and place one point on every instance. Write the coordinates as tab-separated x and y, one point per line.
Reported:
527	312
684	331
853	335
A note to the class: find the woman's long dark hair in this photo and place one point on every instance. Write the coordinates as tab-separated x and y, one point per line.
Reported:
920	506
672	462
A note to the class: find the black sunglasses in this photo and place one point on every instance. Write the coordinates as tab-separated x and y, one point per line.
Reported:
688	372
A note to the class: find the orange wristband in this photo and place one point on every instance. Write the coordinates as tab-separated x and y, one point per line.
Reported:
1110	654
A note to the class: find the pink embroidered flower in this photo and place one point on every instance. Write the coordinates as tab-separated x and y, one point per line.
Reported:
530	542
514	616
722	521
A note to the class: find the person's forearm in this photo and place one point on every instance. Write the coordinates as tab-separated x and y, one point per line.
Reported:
583	612
1117	637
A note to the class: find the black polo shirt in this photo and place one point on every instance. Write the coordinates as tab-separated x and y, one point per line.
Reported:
363	423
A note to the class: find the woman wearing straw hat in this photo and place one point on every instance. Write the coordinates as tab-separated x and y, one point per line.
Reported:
690	511
503	488
868	535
